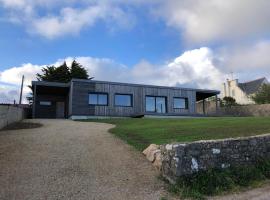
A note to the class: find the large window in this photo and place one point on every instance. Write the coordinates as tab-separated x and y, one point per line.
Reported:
98	99
180	103
155	104
123	100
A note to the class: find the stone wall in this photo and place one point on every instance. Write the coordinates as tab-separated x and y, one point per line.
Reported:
262	110
209	107
188	158
255	110
10	114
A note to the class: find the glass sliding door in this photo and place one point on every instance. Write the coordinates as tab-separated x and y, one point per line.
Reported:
155	104
150	105
160	104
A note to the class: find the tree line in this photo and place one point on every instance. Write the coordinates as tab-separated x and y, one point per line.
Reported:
63	73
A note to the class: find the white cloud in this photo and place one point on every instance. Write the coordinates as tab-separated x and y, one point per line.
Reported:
72	21
14	74
199	21
13	3
62	18
216	20
191	69
250	57
188	70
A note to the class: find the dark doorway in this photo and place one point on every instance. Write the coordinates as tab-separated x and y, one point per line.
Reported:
60	109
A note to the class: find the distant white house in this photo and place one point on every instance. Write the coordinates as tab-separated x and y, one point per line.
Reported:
242	92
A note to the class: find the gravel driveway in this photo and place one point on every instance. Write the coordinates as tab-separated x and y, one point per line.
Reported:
73	160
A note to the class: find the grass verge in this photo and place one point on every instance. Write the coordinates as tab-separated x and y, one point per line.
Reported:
215	181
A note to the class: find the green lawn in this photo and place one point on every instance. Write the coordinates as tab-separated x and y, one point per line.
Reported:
142	132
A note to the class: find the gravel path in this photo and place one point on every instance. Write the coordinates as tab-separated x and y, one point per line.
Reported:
73	160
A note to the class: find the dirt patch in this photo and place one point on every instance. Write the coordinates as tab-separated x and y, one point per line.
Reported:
21	125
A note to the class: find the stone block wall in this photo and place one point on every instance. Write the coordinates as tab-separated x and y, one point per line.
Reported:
10	114
188	158
209	106
262	110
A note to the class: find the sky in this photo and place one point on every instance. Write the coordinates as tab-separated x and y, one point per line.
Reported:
185	43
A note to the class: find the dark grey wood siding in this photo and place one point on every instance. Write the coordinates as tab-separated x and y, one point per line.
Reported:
81	89
42	111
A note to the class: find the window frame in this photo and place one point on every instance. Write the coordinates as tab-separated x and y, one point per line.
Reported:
124	94
186	103
155	105
98	93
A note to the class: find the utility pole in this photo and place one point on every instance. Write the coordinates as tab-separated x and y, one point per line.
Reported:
20	101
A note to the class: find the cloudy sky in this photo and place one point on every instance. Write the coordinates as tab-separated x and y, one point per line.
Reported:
190	43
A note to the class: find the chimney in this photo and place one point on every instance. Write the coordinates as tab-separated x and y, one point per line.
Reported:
224	90
234	82
229	88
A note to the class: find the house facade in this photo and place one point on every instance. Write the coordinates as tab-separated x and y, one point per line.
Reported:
242	92
81	99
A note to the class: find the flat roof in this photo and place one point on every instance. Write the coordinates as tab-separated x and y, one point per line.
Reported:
52	84
215	92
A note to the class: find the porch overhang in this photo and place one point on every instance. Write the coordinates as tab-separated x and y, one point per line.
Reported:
42	87
204	94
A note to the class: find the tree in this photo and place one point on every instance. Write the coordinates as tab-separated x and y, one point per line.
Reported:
229	101
77	71
263	95
29	97
63	73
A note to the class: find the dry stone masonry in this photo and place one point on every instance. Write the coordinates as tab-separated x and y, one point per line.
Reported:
187	158
153	154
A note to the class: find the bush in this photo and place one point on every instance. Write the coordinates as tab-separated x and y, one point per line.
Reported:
228	101
263	95
217	181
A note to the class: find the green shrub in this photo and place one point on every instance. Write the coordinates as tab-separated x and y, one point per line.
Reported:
217	181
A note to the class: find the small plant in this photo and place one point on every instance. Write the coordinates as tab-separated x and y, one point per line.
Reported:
228	102
217	181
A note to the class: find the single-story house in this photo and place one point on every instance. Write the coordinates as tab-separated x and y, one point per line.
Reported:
90	98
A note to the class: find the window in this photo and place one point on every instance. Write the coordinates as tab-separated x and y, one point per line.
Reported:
150	104
233	93
155	104
123	100
180	103
45	103
98	99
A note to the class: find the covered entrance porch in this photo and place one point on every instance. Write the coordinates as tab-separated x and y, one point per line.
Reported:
50	99
207	102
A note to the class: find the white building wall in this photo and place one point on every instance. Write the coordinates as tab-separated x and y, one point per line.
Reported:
231	89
